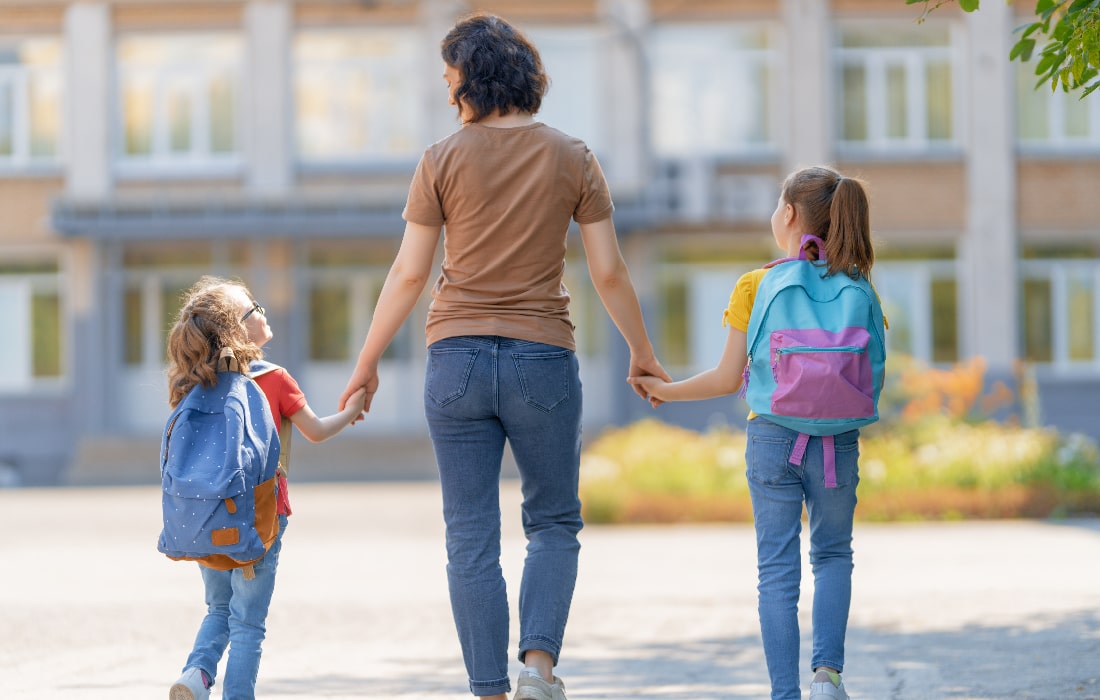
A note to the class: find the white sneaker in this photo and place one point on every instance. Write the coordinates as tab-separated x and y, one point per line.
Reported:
189	686
826	690
531	686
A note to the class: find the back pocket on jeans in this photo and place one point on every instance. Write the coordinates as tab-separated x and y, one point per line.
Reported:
448	373
544	377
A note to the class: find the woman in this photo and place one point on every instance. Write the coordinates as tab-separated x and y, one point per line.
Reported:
501	354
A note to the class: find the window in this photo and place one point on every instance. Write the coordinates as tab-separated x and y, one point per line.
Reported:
178	102
30	102
358	95
1037	326
31	321
920	301
1060	301
342	285
673	326
945	320
1054	120
897	88
689	298
571	56
156	278
151	302
712	90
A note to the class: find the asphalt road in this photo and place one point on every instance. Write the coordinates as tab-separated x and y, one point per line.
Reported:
90	609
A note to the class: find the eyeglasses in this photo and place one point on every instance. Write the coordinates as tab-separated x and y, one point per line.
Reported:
255	307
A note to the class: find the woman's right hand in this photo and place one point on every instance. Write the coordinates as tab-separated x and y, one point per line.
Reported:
361	378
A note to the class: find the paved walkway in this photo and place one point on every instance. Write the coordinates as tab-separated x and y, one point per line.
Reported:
89	609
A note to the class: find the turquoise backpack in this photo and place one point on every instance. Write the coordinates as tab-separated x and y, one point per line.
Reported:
816	352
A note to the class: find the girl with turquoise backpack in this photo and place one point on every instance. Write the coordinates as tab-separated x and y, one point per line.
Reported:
806	348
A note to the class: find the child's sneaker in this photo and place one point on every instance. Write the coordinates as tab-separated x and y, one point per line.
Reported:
190	686
531	686
827	686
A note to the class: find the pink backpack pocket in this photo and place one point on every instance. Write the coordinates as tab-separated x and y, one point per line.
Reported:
822	374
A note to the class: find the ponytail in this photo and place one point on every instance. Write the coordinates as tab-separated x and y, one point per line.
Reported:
835	209
848	242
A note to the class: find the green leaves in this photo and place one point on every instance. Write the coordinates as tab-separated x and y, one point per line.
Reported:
1022	50
1070	56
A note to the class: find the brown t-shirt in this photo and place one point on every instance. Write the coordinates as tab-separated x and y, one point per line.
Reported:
505	197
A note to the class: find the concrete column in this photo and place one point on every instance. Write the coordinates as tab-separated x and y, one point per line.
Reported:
988	253
436	19
626	100
88	106
809	125
269	144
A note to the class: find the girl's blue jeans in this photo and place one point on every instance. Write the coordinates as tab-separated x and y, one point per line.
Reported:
778	490
236	617
479	392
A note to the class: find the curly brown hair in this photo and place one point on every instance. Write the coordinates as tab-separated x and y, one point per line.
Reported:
208	321
501	69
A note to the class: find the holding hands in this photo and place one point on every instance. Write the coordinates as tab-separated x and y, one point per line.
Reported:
646	376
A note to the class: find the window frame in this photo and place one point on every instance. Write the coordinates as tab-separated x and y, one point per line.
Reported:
1058	274
375	158
916	60
768	58
21	77
54	281
1056	142
197	76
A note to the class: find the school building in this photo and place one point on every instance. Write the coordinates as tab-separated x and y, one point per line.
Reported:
144	143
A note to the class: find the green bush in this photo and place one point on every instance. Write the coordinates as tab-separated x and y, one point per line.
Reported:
654	472
932	457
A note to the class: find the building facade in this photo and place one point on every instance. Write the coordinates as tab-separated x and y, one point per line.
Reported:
144	143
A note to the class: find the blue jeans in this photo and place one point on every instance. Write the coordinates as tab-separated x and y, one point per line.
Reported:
236	617
778	490
478	392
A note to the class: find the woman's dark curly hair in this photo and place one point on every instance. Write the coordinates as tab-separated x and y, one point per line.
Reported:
501	69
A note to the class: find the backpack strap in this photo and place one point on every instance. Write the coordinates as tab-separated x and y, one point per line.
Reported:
807	238
828	448
286	428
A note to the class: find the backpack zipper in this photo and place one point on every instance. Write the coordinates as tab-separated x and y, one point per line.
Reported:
745	378
804	349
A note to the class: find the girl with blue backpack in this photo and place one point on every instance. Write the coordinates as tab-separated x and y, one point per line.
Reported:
220	317
805	345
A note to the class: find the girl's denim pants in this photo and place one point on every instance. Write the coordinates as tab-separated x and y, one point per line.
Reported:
778	489
236	617
479	392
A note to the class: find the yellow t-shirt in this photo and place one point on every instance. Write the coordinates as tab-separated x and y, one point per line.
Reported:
739	310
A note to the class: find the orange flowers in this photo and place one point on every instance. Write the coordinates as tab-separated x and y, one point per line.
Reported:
958	392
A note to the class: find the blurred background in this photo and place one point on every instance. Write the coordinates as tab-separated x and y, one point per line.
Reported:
144	143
